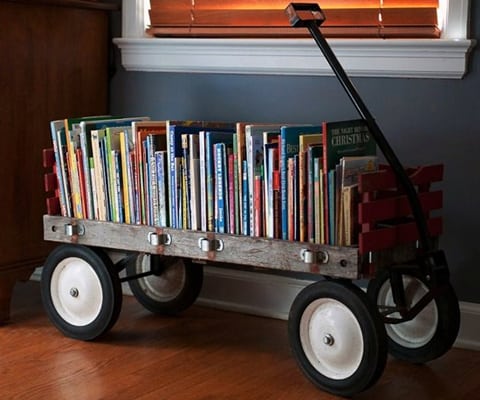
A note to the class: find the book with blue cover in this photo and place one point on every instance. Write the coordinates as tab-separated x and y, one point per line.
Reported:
175	129
211	138
289	147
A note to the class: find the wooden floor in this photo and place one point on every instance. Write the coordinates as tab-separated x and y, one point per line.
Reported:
204	354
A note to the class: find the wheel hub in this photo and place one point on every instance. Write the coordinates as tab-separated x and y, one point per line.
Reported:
328	340
331	338
72	276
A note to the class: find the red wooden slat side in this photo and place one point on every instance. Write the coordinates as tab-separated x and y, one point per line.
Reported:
50	181
385	178
386	238
53	206
396	207
48	158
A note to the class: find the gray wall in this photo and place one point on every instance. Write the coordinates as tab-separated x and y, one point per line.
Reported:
425	121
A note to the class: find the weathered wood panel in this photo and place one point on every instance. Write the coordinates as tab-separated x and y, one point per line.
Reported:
243	250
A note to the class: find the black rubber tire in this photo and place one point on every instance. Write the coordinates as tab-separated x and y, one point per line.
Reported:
310	310
435	328
172	291
76	281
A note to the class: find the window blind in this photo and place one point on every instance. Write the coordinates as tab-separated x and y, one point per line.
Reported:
256	18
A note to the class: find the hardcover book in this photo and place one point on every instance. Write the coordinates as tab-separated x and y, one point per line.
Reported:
340	139
140	131
289	147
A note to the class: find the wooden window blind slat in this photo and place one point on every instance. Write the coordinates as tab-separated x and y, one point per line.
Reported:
250	18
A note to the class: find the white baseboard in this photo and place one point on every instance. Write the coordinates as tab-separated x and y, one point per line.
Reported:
469	335
269	295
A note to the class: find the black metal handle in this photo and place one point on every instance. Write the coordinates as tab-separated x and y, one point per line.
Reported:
299	15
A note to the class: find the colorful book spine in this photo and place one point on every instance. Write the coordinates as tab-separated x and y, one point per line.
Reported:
258	205
186	183
231	192
219	184
194	172
56	128
118	186
152	181
277	217
127	181
161	166
289	146
91	165
331	206
245	200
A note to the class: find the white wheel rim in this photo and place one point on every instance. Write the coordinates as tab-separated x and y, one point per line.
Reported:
76	291
331	338
419	331
165	287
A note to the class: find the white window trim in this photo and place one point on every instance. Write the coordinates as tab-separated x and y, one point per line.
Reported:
399	58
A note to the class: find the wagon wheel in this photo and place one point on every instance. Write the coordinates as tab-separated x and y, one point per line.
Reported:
337	337
432	332
81	291
173	287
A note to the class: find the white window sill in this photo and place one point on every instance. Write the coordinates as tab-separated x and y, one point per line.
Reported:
443	58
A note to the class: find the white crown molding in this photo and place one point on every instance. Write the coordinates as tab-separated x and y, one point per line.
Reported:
445	58
439	58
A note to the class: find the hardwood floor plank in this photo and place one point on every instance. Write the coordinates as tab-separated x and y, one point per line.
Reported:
204	354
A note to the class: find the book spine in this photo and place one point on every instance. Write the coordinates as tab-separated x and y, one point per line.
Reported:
186	183
296	199
237	190
290	202
146	183
231	193
245	200
153	181
64	170
73	173
218	150
178	192
302	196
91	171
283	187
85	173
81	179
105	180
240	157
160	157
118	186
59	172
110	174
316	229
255	158
124	158
210	181
203	181
131	186
97	168
331	206
194	181
277	218
258	205
172	177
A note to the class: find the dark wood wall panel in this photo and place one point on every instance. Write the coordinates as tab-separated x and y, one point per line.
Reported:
54	64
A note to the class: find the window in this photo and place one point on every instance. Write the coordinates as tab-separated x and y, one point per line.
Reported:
431	58
267	18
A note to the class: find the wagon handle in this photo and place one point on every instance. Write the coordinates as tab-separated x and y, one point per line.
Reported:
310	16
